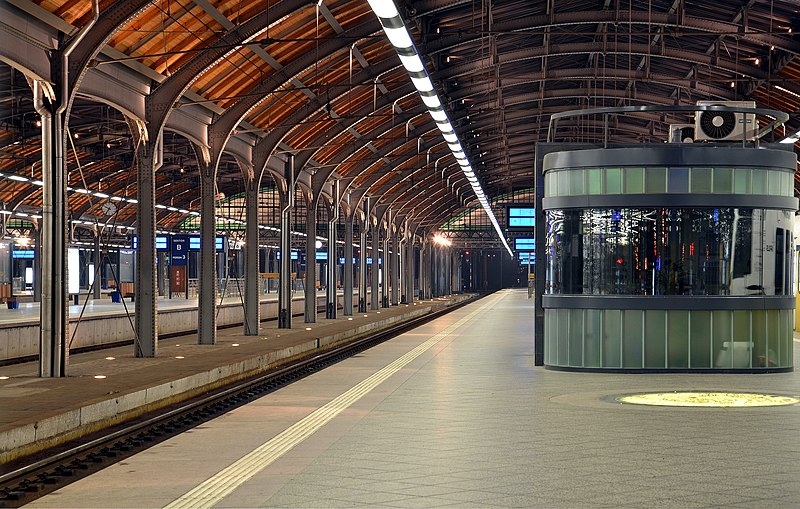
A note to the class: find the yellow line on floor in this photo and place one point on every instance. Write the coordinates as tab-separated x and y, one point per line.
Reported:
215	488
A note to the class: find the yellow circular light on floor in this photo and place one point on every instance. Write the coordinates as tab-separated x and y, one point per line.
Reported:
708	399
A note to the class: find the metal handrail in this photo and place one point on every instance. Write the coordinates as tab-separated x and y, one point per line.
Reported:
779	117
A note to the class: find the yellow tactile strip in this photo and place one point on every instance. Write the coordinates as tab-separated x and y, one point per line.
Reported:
215	488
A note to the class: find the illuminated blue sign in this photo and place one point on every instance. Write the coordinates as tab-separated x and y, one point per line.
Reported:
524	244
521	217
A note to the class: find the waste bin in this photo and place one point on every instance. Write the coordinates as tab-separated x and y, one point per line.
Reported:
12	303
116	296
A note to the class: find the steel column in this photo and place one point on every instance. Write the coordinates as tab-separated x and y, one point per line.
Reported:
207	283
330	287
310	290
401	276
97	262
395	270
53	348
285	277
348	265
384	265
376	235
409	268
252	306
362	267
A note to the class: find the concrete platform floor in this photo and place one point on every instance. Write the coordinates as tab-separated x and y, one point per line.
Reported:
454	414
35	410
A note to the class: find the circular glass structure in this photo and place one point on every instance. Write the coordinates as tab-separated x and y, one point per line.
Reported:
669	257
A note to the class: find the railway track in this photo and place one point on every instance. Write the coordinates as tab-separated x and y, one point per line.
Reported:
34	477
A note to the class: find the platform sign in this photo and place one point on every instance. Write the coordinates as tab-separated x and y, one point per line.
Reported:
521	218
180	250
322	256
162	242
295	255
527	258
177	278
194	243
524	244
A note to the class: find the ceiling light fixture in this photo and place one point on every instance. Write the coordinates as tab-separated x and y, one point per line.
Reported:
395	29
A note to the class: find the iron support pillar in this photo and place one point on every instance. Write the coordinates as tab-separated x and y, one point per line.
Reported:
330	287
362	270
207	284
145	282
285	272
97	261
402	280
348	265
310	287
252	305
395	270
384	265
53	347
410	269
375	297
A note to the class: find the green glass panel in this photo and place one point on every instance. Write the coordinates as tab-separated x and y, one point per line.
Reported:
774	182
678	339
655	323
563	337
678	180
721	337
656	180
548	185
741	181
576	182
632	338
701	180
549	335
787	187
576	338
634	180
563	183
595	178
774	323
613	181
612	337
700	339
591	338
760	338
723	180
759	181
741	339
787	355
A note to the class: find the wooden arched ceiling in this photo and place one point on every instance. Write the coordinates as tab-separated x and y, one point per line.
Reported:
321	81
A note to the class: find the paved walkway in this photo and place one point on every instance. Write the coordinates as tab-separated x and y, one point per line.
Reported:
105	385
454	414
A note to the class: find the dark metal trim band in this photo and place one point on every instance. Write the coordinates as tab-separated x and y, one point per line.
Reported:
677	154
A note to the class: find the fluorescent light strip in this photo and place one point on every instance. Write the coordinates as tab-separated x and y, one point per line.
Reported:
395	30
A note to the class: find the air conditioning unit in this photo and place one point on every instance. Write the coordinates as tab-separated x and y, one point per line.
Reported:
681	133
725	125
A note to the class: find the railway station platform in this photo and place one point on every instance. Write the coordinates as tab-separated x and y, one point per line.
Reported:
109	386
454	414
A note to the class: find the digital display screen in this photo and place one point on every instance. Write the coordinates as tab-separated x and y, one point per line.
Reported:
194	243
295	255
162	242
524	244
322	255
22	254
369	260
527	258
521	217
